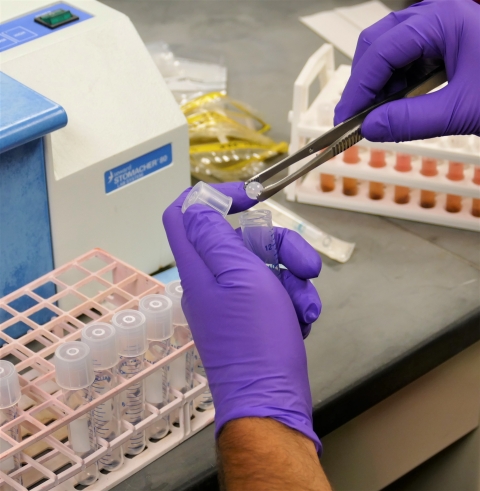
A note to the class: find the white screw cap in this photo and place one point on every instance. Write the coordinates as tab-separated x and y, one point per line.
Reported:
174	292
9	385
73	366
131	327
102	340
157	309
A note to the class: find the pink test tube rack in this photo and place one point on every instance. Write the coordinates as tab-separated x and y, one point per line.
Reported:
90	288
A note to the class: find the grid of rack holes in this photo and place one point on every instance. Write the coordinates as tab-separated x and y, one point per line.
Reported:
90	288
399	178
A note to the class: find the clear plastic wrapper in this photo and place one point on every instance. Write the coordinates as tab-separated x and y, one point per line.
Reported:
327	244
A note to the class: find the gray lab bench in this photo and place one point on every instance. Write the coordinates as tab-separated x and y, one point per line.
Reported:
393	359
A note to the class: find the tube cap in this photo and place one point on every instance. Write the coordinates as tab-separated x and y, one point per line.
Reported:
131	327
102	341
73	365
174	292
157	309
9	385
204	194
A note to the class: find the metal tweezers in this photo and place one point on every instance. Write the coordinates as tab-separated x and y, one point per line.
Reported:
339	138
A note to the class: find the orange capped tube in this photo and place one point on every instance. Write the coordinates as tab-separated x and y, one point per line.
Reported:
377	160
476	201
403	164
350	185
429	169
455	173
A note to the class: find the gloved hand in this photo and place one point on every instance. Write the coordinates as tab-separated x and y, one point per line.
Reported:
243	320
420	35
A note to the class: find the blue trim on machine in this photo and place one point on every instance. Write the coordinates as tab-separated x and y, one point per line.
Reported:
26	115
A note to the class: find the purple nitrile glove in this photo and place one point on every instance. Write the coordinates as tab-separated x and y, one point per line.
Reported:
243	319
417	38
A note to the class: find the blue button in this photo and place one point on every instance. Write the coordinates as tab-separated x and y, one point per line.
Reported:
20	34
5	42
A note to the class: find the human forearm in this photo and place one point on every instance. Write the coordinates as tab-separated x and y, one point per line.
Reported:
261	454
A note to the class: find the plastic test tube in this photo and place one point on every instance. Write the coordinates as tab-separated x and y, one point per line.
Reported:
102	340
157	310
455	173
259	237
350	185
377	161
182	368
132	345
74	374
403	164
476	201
429	169
9	396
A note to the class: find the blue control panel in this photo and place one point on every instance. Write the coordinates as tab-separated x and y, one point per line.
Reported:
24	29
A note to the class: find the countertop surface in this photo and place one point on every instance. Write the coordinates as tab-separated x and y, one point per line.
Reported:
409	297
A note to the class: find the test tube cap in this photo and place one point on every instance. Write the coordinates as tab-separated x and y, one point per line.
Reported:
204	194
174	292
9	385
102	341
131	327
73	366
157	309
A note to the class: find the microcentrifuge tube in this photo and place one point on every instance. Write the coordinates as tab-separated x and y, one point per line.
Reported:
476	201
259	237
429	169
132	345
74	374
183	367
102	340
9	396
403	164
455	173
350	185
158	313
377	161
204	194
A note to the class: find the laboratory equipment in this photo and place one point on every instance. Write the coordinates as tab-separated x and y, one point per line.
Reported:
377	161
403	164
338	139
429	169
125	146
102	340
9	396
90	289
350	156
74	374
455	173
259	237
157	310
132	345
182	368
203	193
354	193
327	244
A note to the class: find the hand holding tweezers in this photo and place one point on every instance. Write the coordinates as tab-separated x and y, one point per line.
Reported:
338	139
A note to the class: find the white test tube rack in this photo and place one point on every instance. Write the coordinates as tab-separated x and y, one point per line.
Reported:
310	120
90	288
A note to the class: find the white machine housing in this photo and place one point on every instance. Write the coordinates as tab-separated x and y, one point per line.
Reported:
119	109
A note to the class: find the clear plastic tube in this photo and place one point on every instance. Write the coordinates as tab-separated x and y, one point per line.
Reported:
74	374
324	243
132	342
156	386
206	400
132	400
81	432
259	237
9	396
158	311
101	339
107	418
